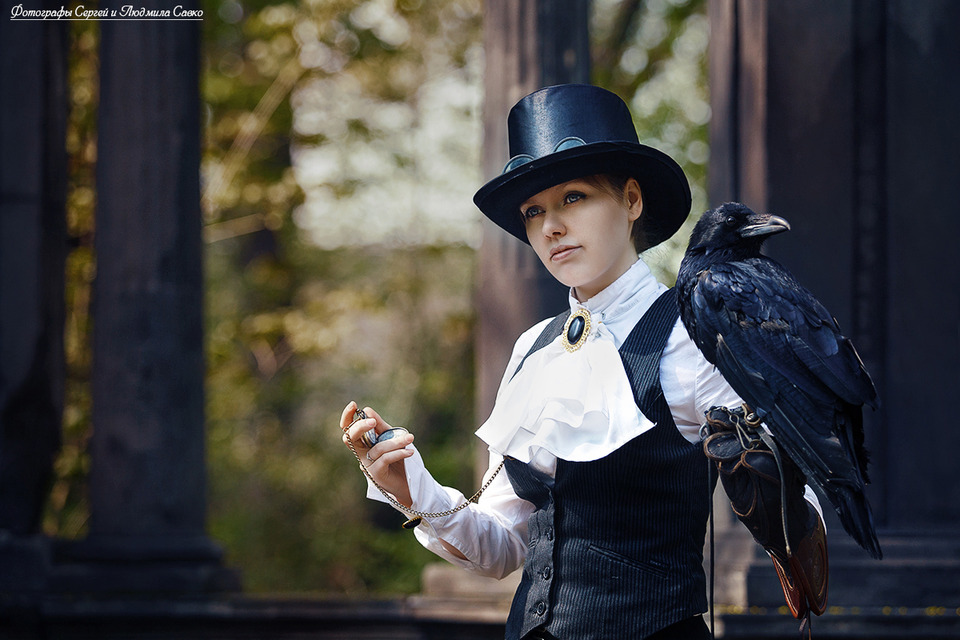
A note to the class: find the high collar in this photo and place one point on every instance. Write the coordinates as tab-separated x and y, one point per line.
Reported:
636	287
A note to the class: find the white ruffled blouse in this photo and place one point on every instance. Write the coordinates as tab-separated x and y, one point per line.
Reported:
575	406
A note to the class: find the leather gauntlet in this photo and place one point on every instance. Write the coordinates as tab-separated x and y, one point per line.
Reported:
765	491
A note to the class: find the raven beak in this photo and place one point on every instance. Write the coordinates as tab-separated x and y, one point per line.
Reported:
765	225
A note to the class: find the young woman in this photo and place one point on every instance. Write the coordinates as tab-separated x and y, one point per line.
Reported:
604	493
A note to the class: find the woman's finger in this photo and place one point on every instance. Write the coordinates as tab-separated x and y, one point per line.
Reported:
372	418
360	427
400	441
387	456
347	416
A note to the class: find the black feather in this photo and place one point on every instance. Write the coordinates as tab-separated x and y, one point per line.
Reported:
783	353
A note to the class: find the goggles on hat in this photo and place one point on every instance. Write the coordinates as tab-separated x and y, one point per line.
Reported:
523	158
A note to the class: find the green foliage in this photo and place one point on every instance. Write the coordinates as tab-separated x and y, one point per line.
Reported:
295	331
67	512
290	342
653	53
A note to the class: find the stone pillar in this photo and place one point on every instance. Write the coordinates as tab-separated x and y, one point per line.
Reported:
147	481
528	45
147	478
33	247
840	116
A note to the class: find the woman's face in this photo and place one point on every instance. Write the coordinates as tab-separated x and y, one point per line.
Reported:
581	233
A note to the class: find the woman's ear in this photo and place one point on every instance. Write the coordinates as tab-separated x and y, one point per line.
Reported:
633	199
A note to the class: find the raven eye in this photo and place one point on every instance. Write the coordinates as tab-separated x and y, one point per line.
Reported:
731	221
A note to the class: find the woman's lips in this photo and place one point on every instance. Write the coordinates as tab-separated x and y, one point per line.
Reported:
562	252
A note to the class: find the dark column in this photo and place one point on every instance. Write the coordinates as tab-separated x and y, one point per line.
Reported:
840	116
33	247
528	45
147	479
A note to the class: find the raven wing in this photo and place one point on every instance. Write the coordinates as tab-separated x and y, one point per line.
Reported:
781	350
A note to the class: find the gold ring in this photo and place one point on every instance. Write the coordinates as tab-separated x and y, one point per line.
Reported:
369	438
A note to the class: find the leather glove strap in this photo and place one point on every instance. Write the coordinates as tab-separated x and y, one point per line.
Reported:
766	491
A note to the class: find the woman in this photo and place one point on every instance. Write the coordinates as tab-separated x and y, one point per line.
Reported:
605	495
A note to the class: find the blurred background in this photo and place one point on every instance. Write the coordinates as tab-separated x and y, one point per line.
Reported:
341	152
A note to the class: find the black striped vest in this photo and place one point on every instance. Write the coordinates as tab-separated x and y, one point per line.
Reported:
616	544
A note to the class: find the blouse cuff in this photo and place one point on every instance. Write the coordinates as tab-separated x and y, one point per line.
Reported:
427	495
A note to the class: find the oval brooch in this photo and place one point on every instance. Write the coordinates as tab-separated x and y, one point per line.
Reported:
576	330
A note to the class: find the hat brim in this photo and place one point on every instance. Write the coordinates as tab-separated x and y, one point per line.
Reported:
666	192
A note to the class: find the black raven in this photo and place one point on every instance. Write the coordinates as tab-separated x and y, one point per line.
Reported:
783	353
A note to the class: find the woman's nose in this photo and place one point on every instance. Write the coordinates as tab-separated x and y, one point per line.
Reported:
553	223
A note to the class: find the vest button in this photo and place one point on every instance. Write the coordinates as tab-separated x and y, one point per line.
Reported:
540	609
546	573
549	533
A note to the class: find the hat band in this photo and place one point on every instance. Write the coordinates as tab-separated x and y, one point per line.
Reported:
523	158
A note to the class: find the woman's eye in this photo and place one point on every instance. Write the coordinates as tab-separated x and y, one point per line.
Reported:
572	197
530	212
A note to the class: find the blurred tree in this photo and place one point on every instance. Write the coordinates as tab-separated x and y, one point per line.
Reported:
67	510
653	54
308	305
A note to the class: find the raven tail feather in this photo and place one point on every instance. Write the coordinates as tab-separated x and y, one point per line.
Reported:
857	518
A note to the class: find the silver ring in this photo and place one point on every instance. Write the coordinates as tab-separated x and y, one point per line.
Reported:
369	458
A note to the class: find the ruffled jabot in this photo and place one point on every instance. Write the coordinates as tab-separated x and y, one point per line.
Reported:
576	405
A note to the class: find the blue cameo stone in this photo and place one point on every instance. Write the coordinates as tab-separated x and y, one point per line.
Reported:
575	331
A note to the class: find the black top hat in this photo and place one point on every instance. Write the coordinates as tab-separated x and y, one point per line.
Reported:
575	130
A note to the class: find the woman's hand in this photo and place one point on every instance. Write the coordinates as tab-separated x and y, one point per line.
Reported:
384	461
